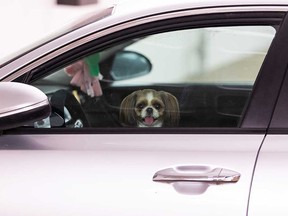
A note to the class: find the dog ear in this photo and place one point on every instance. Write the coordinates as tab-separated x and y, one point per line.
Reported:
127	114
172	112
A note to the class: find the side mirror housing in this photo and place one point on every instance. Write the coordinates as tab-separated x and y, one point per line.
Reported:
21	104
129	64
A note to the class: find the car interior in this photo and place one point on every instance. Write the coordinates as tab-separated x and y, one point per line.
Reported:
211	72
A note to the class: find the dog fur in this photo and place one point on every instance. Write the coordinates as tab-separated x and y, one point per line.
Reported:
150	108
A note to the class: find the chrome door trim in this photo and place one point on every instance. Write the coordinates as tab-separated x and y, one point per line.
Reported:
70	43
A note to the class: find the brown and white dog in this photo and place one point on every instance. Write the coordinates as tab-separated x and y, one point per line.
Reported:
150	108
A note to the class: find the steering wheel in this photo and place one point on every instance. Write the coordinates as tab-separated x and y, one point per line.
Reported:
67	111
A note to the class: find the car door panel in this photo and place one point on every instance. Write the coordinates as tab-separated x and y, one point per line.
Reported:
112	175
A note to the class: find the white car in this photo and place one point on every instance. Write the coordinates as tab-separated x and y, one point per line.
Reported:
150	108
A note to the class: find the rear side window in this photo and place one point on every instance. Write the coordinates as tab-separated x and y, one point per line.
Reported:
185	78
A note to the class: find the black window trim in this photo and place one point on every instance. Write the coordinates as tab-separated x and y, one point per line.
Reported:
267	87
279	121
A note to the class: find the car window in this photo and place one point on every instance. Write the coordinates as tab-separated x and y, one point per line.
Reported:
185	78
206	55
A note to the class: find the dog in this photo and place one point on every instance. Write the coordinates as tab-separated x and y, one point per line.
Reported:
149	108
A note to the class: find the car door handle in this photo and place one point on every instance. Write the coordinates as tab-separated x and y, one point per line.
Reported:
196	174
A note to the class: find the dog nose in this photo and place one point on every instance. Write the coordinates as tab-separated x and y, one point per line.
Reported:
149	111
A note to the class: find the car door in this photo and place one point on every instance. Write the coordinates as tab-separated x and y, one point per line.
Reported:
185	170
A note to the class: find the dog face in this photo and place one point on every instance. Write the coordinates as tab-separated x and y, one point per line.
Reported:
149	108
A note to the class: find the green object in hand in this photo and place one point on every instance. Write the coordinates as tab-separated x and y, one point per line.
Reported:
93	64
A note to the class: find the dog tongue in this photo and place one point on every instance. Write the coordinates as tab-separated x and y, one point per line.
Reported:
149	120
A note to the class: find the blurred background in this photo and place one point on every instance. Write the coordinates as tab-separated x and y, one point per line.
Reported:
24	22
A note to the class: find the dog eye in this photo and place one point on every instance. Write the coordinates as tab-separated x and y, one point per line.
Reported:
157	106
140	106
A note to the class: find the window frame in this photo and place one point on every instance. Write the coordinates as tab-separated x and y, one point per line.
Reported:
250	123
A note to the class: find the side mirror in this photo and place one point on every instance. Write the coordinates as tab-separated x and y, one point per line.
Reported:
128	64
21	104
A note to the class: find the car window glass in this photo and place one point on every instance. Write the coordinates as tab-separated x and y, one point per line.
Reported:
185	78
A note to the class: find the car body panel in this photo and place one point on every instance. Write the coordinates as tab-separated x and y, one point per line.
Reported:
269	188
112	174
161	6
